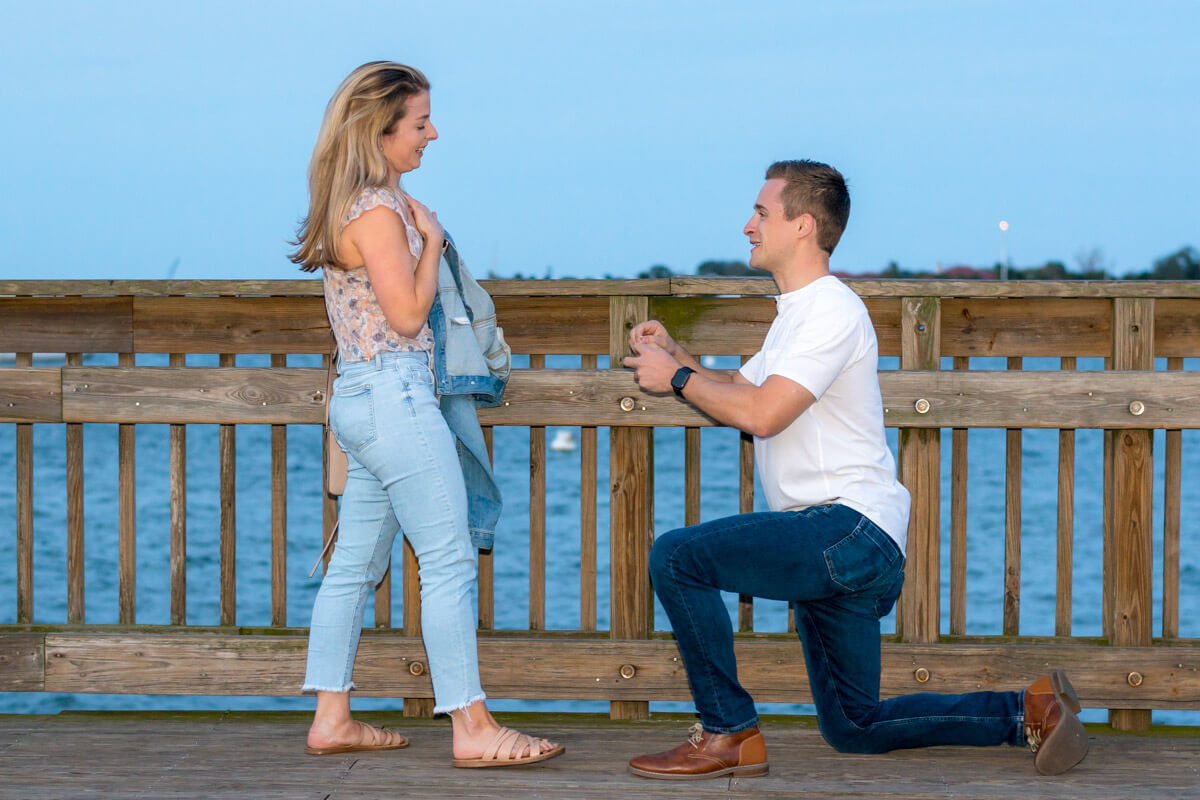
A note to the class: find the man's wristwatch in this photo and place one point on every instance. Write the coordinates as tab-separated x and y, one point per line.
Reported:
680	379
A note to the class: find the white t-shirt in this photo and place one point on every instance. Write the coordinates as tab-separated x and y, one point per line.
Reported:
822	339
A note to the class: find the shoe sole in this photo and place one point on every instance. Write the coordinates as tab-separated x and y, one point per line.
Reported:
479	763
1067	744
745	771
1063	689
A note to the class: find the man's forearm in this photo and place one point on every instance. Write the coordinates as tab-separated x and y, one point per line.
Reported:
688	360
729	403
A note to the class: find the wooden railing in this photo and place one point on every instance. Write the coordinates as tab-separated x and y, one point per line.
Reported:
926	324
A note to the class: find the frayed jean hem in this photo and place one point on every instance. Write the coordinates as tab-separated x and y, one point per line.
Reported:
446	709
309	688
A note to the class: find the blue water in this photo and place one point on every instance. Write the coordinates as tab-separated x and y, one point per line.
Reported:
719	497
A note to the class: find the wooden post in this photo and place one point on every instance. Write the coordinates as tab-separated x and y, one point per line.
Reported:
918	617
631	508
1132	517
413	706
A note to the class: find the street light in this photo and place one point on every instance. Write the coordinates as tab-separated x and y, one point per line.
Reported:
1004	238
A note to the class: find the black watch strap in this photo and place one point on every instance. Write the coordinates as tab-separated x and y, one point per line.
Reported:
680	379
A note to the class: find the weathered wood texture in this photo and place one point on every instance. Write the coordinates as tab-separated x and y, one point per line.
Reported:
242	395
1011	624
204	755
230	325
1132	501
228	395
21	662
1065	570
30	394
126	514
917	615
631	511
75	539
96	325
772	668
923	322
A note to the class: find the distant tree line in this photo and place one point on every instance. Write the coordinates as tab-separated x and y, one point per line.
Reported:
1183	264
1091	265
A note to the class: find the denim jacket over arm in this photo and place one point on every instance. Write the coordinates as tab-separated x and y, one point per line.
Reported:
471	363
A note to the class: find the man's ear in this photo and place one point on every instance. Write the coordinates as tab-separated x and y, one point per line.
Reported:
806	225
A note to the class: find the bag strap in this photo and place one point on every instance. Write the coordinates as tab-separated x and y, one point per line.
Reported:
329	374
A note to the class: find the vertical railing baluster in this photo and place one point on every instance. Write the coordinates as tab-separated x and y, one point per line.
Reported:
958	521
127	515
1172	484
691	476
1106	569
24	445
1066	524
75	545
487	591
745	506
1012	522
178	481
279	485
227	469
537	517
587	518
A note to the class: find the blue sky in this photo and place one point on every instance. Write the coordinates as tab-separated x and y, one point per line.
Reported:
594	138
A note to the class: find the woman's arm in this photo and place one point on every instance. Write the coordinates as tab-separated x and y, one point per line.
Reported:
405	295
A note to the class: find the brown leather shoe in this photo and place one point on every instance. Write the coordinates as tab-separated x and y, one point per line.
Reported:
707	755
1052	729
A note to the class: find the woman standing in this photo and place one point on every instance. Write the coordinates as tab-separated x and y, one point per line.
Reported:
379	250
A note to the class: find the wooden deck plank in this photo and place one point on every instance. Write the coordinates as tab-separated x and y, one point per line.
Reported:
247	754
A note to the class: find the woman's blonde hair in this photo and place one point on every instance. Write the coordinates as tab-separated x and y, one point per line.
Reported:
348	156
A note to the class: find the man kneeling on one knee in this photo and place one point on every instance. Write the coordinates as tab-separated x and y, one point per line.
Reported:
833	542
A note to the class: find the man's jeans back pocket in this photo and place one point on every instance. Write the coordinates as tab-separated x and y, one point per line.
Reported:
863	558
352	416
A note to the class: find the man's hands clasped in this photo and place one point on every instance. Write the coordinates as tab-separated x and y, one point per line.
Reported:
655	361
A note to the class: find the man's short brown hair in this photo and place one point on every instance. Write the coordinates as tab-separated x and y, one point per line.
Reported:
817	189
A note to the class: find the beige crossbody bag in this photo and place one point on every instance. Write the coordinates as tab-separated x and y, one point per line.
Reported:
336	465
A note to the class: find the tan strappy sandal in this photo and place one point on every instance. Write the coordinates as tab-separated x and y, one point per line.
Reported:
507	742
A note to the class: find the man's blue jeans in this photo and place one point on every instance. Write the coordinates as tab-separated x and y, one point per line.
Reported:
841	573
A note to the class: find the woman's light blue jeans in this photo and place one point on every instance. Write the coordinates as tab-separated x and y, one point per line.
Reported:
405	476
842	573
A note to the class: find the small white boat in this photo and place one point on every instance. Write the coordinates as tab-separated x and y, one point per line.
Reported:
563	442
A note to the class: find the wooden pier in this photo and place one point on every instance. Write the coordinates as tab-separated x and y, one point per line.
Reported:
207	755
1143	331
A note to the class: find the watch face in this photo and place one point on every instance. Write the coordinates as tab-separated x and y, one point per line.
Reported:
680	378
